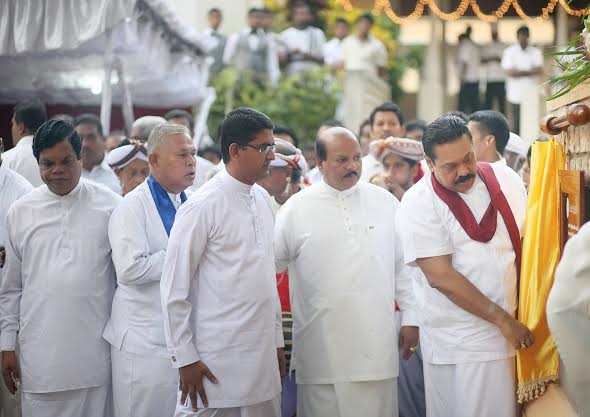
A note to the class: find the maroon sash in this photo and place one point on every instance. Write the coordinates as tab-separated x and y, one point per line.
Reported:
485	230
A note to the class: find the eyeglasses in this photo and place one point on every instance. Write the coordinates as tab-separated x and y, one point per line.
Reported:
262	148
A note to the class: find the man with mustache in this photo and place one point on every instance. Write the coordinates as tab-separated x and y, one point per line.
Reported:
57	285
144	381
346	271
461	224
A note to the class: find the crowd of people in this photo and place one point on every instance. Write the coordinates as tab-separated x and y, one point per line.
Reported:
506	73
264	55
141	276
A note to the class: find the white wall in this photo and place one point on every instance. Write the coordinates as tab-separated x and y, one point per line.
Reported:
194	12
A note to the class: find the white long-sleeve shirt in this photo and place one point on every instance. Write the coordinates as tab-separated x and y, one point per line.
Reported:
346	271
139	240
21	159
58	286
219	291
12	187
104	175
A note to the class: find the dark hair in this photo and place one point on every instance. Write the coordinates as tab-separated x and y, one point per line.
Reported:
177	114
240	126
320	149
286	130
365	122
366	16
493	123
331	123
253	10
459	114
387	107
213	10
445	129
89	119
214	149
53	132
341	20
416	124
524	30
265	10
309	147
31	113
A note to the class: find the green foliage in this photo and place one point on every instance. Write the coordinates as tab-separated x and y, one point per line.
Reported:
301	103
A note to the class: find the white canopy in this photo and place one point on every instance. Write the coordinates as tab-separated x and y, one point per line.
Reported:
60	50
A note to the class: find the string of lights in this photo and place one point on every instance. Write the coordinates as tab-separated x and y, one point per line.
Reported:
384	7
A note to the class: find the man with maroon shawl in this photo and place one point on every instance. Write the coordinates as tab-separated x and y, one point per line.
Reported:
461	225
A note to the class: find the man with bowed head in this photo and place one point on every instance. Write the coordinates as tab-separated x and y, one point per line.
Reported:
58	285
144	382
222	316
461	224
347	271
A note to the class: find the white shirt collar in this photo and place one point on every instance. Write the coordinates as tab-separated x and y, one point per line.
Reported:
72	194
336	193
233	183
25	141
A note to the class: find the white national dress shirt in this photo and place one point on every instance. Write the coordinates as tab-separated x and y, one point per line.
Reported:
103	174
493	69
58	286
333	54
346	270
371	167
12	187
139	240
310	40
515	58
21	159
468	55
314	175
367	56
219	291
449	334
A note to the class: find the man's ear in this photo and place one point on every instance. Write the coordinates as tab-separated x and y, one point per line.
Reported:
153	159
430	163
320	165
21	128
234	151
402	132
414	169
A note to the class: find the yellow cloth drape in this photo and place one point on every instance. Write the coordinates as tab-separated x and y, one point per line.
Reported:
538	365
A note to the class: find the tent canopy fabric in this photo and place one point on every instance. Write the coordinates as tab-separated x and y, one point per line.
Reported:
57	50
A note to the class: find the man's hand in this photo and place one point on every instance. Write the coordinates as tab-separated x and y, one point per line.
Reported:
409	337
515	332
191	383
10	372
282	362
2	256
394	187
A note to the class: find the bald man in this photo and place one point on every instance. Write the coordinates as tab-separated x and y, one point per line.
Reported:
346	270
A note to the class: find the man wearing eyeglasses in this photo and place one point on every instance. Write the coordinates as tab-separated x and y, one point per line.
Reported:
221	310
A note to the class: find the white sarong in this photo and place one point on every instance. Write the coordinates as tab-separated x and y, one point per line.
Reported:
270	408
348	399
143	386
482	389
86	402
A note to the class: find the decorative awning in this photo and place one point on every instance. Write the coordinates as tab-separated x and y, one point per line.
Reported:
59	50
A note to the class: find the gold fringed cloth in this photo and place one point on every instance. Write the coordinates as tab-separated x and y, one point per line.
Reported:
538	365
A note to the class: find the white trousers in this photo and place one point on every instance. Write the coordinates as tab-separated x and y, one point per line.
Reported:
348	399
85	402
482	389
143	386
270	408
9	404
